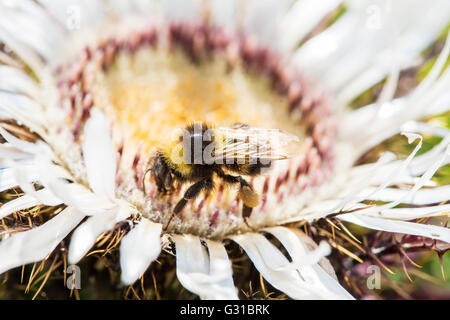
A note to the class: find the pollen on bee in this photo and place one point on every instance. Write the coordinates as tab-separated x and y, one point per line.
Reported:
249	197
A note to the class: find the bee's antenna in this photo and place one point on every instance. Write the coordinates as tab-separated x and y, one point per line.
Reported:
143	180
168	222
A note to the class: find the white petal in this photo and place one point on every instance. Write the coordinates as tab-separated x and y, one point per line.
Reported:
183	10
30	172
22	145
421	197
31	25
434	73
34	245
364	80
423	230
418	166
20	102
44	196
27	201
357	193
85	235
352	187
375	33
267	259
437	98
261	19
376	73
301	256
331	283
8	178
14	22
12	79
382	175
411	213
302	18
7	151
99	155
425	177
79	197
192	258
369	126
140	247
135	7
423	162
322	51
77	15
209	277
73	194
220	267
324	263
225	13
26	53
425	128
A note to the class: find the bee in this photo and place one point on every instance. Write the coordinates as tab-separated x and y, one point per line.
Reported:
200	152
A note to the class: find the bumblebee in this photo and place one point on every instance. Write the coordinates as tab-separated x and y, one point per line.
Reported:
200	152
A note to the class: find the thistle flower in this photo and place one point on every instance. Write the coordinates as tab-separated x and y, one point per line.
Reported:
88	91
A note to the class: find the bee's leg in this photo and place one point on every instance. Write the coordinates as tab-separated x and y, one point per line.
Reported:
248	196
191	193
246	213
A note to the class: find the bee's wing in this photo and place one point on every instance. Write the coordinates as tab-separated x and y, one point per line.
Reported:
246	142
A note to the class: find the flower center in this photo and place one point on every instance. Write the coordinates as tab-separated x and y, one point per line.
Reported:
155	81
153	85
